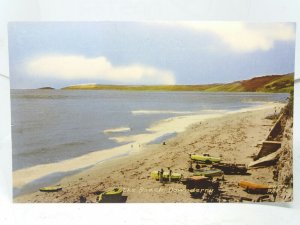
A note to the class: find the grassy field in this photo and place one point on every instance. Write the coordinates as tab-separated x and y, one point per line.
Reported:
270	83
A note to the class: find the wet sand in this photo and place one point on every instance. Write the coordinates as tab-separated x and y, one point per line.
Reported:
236	137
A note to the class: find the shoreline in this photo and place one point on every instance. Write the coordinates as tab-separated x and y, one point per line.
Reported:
136	147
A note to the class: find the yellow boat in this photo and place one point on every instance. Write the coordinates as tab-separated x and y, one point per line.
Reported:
205	158
51	189
111	195
174	176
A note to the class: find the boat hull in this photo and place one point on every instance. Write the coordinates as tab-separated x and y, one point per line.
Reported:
113	195
174	176
209	173
254	188
205	159
50	189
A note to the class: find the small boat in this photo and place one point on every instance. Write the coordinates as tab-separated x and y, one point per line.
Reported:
200	182
205	158
231	168
251	187
112	195
209	173
174	176
197	178
51	189
194	179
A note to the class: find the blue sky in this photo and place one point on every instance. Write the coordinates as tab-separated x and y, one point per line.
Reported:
59	54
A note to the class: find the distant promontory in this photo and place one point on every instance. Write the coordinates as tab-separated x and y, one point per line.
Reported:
47	88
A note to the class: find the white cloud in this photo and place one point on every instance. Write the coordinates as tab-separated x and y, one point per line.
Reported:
100	68
243	37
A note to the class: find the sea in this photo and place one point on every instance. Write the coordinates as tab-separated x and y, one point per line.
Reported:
49	126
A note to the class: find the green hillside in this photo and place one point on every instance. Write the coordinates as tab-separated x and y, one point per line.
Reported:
283	84
269	83
231	87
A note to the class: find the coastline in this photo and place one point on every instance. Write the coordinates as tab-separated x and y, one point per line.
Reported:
106	160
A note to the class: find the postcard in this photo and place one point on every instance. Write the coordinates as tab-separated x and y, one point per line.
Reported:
142	112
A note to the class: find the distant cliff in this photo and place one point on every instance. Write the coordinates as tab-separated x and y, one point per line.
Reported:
269	83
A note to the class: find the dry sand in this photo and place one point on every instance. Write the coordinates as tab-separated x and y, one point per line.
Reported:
236	137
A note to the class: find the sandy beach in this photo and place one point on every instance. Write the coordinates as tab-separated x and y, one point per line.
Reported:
235	137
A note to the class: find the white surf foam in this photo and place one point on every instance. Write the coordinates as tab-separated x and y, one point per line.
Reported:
143	112
117	130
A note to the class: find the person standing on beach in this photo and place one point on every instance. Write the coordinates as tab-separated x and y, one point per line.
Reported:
170	175
161	178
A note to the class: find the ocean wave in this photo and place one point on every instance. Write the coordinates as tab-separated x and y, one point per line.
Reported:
144	112
117	130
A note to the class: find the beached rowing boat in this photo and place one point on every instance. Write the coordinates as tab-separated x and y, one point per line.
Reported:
200	182
209	173
197	178
174	176
205	158
251	187
231	168
51	189
111	195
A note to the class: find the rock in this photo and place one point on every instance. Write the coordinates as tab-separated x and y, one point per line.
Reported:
82	199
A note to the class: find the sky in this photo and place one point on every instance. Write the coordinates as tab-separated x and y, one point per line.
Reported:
60	54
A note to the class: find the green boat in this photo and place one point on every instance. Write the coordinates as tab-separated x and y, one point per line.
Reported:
205	158
210	173
51	189
111	195
174	176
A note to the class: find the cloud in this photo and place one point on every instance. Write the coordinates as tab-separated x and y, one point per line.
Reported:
243	37
79	67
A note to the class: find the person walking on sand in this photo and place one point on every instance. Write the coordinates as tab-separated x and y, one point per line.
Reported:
170	175
161	177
